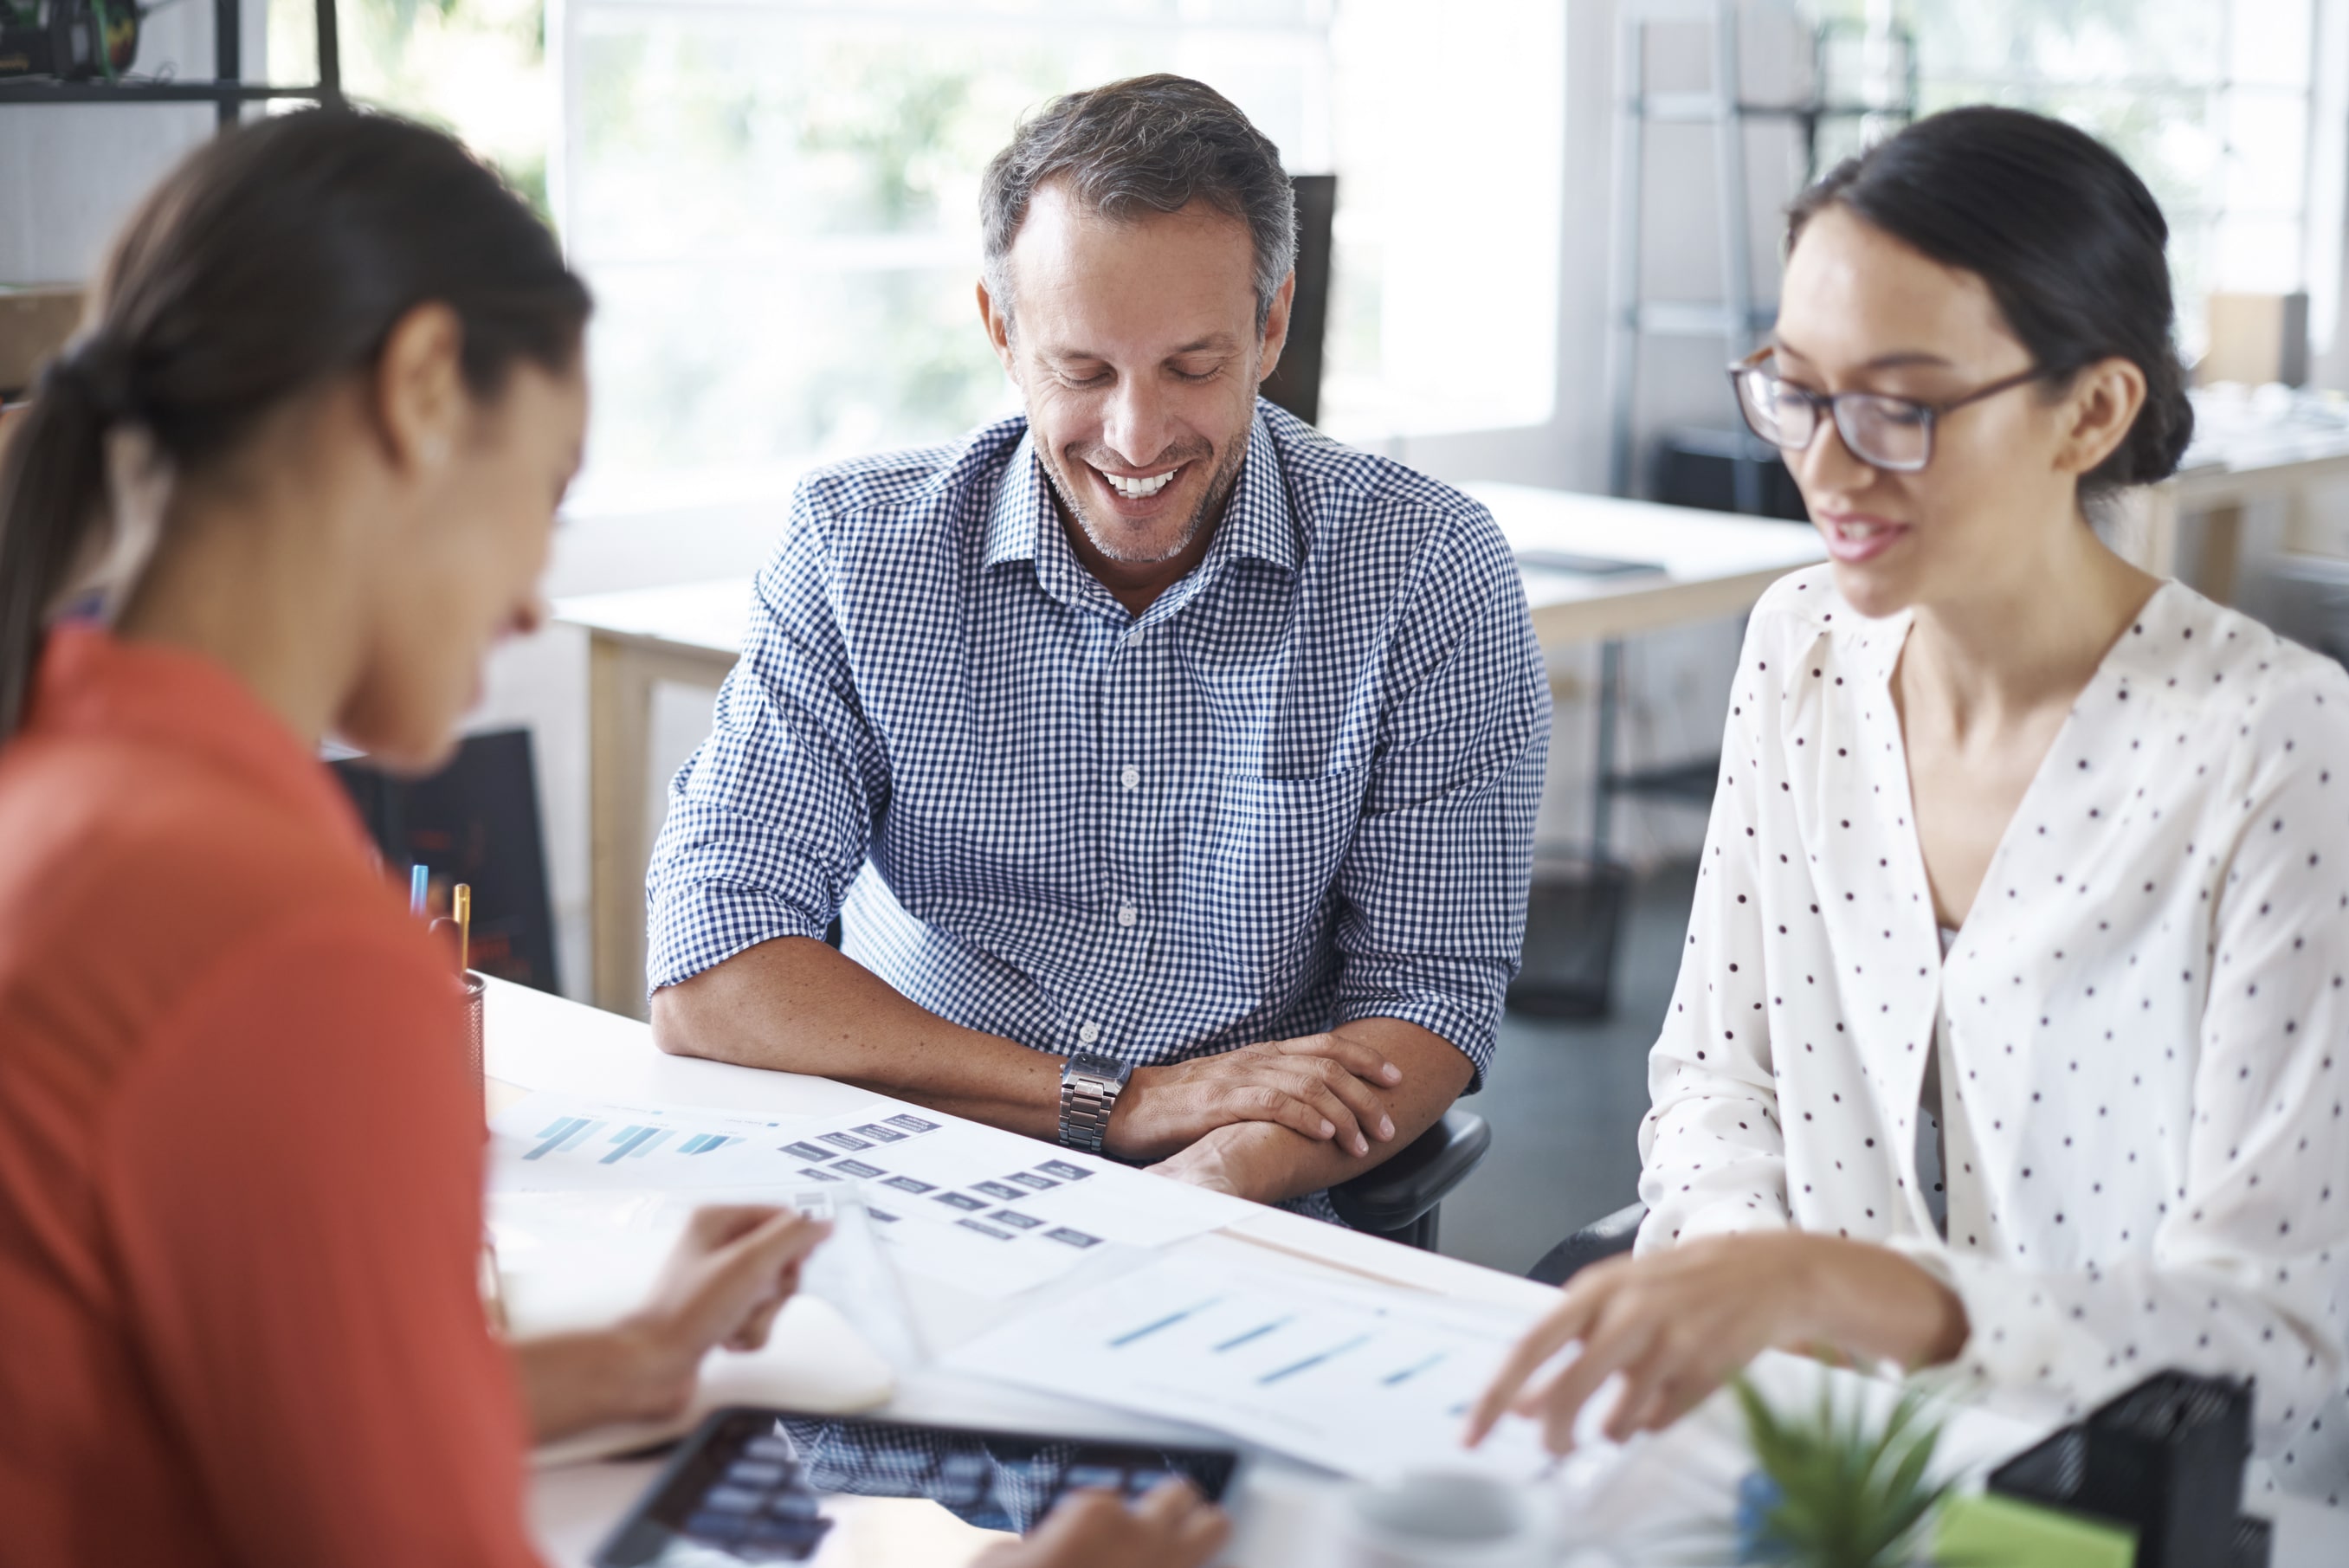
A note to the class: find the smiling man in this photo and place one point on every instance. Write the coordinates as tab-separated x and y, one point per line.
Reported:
1189	759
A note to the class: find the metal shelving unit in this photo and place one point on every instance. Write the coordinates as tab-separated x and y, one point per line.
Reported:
1737	319
228	90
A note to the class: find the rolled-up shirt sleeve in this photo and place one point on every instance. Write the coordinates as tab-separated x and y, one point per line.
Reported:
1713	1157
769	821
1432	887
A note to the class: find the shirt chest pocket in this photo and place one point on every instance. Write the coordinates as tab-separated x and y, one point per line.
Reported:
1258	858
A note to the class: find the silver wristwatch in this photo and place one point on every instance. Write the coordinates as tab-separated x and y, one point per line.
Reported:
1090	1085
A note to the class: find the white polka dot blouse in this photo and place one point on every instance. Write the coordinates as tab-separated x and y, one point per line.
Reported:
2142	1028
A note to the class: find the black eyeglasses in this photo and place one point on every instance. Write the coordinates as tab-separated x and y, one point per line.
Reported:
1882	431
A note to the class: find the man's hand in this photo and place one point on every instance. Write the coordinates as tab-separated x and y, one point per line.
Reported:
725	1281
1322	1086
1174	1527
1226	1161
1678	1324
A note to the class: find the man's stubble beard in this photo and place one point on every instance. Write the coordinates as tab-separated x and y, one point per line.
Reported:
1211	505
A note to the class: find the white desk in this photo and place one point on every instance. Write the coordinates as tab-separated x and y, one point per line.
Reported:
1714	565
542	1042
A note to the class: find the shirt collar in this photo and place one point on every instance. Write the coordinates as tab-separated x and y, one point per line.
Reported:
1256	521
2170	608
92	684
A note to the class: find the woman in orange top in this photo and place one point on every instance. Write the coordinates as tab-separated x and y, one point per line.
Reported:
295	478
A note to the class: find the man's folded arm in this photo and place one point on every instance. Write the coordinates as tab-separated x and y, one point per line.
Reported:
798	1005
1432	891
1266	1161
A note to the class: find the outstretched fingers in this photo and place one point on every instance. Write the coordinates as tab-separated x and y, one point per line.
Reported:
1553	1334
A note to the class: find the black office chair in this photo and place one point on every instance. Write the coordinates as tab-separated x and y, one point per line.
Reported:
1599	1239
1398	1200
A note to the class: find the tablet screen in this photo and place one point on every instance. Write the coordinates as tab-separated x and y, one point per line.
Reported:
768	1486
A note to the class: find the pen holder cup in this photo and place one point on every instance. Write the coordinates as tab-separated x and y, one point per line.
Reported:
472	985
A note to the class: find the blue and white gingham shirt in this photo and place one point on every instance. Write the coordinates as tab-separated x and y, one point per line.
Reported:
1299	790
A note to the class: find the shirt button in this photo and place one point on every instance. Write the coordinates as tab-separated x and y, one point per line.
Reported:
1131	778
1127	914
1087	1033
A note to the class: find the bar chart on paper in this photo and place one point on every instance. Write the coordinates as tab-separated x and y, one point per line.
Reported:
633	1141
1363	1382
550	1143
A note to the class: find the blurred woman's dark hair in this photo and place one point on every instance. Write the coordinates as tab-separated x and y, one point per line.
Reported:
2068	239
276	258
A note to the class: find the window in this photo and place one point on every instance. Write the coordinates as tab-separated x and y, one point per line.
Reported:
476	68
2228	109
776	203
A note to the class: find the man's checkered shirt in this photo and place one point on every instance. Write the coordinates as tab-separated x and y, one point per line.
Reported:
1299	790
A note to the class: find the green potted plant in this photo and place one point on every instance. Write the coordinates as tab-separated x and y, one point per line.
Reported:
1831	1489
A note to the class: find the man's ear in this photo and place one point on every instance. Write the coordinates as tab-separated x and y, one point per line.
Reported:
1276	327
2103	405
420	400
996	316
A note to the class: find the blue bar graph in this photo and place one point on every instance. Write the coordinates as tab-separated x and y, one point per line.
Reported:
1259	1332
555	1134
585	1130
644	1145
1147	1329
1329	1355
628	1137
1408	1373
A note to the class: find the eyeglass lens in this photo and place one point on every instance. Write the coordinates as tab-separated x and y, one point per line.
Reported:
1885	432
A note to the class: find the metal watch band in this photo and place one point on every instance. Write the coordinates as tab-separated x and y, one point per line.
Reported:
1089	1091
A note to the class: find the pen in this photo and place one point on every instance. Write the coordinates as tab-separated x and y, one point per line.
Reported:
464	908
419	882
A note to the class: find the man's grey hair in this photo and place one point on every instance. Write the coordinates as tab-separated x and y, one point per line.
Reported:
1147	144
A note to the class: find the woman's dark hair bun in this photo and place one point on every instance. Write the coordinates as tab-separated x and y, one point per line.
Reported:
2069	240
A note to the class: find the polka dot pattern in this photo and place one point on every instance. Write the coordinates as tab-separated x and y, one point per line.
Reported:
2143	1025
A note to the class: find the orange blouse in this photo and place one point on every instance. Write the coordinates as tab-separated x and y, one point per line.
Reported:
240	1161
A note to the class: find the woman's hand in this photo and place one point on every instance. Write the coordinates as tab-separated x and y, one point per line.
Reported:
1174	1527
1681	1323
725	1280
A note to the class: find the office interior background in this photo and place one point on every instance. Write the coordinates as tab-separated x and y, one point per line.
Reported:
774	200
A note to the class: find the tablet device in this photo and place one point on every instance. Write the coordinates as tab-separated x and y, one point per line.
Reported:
772	1486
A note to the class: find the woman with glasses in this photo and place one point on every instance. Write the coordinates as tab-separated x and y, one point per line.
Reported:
2012	1032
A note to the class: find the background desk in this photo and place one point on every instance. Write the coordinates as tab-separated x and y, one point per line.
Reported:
536	1041
1714	565
2247	449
